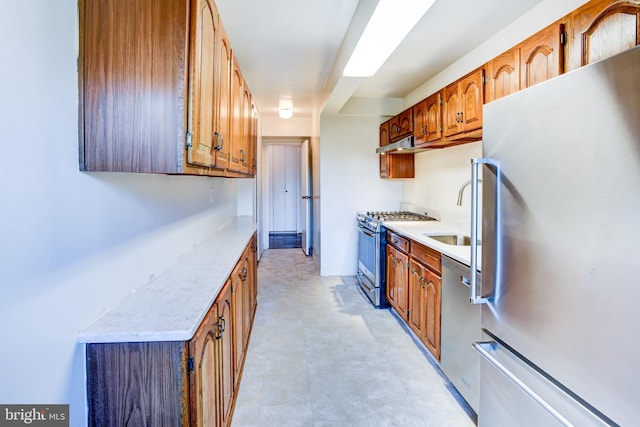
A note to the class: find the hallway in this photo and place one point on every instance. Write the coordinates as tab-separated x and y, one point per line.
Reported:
321	355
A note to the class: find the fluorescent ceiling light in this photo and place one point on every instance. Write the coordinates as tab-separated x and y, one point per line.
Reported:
389	25
286	113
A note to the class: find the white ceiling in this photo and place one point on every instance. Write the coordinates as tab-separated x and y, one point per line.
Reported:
296	49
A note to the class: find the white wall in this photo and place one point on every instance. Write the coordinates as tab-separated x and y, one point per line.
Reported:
439	175
350	181
73	244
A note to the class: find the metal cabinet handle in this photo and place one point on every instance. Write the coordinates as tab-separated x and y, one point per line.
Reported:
222	326
474	298
220	139
243	156
485	347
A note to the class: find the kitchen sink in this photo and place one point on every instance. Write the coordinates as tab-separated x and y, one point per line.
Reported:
451	239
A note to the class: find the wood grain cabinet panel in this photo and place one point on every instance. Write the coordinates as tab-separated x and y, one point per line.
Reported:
462	107
154	87
401	126
427	116
602	28
397	280
414	288
178	383
502	75
425	305
394	165
542	55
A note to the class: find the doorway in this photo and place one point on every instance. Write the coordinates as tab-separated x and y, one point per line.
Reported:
286	214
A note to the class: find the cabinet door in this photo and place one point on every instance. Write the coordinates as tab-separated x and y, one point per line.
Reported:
401	125
471	101
253	142
246	130
601	29
384	140
433	119
420	122
542	56
247	296
204	380
133	85
253	275
201	121
451	112
402	284
237	312
236	123
502	75
391	276
226	352
432	301
222	132
417	304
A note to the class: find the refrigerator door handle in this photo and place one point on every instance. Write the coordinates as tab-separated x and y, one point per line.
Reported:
474	298
485	348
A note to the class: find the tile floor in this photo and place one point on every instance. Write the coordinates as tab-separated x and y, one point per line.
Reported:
321	355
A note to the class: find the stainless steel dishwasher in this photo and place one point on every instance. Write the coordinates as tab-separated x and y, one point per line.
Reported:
460	325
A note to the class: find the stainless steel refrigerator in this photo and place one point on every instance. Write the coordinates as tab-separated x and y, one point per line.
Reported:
560	288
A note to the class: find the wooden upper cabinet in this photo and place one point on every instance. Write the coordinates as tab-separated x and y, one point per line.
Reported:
200	139
384	140
462	107
222	131
502	75
542	55
602	28
427	117
434	117
401	125
237	109
245	166
154	87
394	165
133	85
420	122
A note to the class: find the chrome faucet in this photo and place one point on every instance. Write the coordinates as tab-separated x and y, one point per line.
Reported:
461	191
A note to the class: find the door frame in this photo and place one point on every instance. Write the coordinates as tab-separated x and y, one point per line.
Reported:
266	191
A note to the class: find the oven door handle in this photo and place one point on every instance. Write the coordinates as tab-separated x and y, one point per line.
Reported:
366	231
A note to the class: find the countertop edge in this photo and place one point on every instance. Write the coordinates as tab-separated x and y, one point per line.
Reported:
415	231
172	305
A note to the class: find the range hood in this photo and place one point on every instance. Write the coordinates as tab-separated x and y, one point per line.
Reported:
405	145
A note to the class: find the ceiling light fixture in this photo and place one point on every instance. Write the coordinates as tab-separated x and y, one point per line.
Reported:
389	25
285	113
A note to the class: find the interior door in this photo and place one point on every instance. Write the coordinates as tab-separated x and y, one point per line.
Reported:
305	200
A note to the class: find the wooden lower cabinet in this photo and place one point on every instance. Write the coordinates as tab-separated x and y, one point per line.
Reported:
414	287
397	280
425	288
177	383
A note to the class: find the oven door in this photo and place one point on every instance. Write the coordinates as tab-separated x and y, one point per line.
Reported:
370	264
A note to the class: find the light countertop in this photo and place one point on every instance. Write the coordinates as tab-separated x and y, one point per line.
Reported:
172	305
415	230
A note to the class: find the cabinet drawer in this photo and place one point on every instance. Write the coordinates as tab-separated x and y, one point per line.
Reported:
398	241
427	256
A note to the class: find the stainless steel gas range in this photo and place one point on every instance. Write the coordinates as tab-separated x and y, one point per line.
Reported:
372	242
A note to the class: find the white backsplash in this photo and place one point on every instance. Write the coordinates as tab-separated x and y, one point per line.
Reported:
439	176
